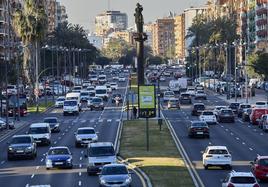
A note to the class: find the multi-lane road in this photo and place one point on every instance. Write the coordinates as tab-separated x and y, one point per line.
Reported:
33	172
242	139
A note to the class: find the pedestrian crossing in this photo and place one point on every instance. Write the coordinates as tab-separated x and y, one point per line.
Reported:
69	121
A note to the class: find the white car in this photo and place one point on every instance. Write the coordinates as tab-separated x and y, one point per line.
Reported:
11	90
217	109
240	179
209	117
191	91
114	85
217	156
115	78
162	78
261	104
59	102
200	94
85	135
121	79
168	95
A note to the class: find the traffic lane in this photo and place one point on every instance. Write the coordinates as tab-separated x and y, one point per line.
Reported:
219	136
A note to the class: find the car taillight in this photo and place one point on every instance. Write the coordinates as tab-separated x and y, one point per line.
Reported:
230	185
256	185
208	156
206	129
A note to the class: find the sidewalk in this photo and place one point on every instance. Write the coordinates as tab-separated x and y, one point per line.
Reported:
260	95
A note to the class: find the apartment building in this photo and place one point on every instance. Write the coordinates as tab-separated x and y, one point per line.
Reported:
110	21
164	37
179	30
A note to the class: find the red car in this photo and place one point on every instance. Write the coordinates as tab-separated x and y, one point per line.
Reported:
259	167
256	115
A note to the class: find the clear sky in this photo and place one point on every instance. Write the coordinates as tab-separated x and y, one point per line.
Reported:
83	12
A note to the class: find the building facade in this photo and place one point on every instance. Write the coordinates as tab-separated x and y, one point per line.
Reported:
110	21
164	37
179	30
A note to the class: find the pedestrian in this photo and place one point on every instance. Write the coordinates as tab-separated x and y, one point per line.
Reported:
134	112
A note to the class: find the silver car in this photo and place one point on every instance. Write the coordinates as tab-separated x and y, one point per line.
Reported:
115	175
85	135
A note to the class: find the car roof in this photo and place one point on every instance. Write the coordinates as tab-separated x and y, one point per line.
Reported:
216	147
59	147
50	118
262	157
199	104
241	174
81	128
39	125
100	144
196	121
21	135
115	165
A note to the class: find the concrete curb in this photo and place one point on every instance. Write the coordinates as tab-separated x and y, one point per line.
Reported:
192	171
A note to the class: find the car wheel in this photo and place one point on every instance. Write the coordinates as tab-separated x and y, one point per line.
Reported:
9	158
228	167
206	167
77	145
47	168
208	136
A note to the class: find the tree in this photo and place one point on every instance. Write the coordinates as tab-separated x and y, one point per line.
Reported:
155	60
30	24
102	61
260	64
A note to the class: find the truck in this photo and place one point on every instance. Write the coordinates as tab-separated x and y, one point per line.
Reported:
179	85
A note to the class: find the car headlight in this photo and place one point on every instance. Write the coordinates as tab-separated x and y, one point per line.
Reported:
57	125
128	180
29	148
69	160
78	139
10	149
48	163
102	181
46	136
95	138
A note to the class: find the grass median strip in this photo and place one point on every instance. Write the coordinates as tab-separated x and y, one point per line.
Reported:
42	107
162	163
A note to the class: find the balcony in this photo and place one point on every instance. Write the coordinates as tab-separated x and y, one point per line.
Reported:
261	22
261	11
262	33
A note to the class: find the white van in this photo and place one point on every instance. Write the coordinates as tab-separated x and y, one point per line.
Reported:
101	91
102	79
71	107
41	133
99	154
74	96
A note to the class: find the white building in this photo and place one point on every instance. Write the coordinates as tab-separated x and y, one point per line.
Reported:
96	41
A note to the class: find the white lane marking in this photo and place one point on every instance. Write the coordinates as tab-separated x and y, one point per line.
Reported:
237	138
232	133
255	130
42	160
250	149
79	183
92	121
37	167
80	173
82	152
117	120
222	126
109	120
100	120
240	121
66	130
261	134
59	138
80	165
32	176
69	127
83	121
63	134
209	143
55	142
3	162
27	185
249	126
95	126
81	158
243	143
227	129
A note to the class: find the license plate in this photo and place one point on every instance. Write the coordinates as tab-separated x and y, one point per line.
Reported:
20	151
38	141
199	111
199	133
58	163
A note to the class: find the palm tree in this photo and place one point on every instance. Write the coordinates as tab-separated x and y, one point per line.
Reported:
30	24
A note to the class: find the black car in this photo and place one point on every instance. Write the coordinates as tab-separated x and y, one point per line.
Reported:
185	98
97	104
234	106
226	115
117	96
241	109
54	123
246	114
198	128
198	108
21	146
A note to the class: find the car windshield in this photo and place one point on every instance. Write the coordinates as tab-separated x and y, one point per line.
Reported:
199	107
173	101
169	93
245	106
19	140
218	151
70	103
99	91
199	124
84	94
50	120
226	112
200	92
61	99
117	95
185	95
38	130
234	105
263	162
85	131
96	100
260	103
243	180
114	170
101	151
59	151
208	113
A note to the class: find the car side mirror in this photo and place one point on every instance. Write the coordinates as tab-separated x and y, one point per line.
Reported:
202	152
75	133
85	156
251	163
